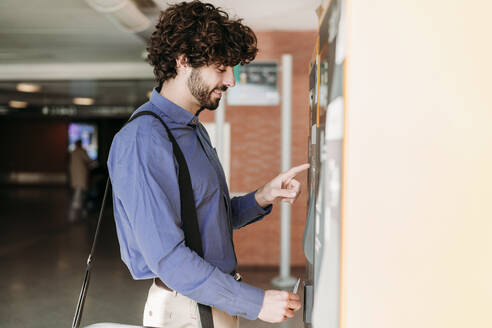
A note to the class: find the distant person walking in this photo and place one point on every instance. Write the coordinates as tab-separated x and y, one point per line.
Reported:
79	179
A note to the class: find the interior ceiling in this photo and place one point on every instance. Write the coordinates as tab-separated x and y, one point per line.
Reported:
70	31
61	93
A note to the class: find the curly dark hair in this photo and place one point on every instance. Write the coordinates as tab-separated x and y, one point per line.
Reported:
204	34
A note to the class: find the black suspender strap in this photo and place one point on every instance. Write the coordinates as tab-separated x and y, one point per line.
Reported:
189	220
193	238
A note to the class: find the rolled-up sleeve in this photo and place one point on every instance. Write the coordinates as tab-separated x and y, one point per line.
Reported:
144	176
245	210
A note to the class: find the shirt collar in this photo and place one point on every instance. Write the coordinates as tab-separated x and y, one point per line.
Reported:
173	111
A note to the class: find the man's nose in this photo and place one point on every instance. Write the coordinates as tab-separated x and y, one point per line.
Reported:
229	79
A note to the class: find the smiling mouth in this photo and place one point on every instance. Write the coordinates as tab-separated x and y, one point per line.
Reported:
217	93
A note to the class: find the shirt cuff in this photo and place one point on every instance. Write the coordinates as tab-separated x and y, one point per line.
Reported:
253	209
245	210
249	302
231	296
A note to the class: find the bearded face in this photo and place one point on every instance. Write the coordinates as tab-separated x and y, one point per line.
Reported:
207	96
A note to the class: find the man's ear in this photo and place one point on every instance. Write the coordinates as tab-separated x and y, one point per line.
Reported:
182	62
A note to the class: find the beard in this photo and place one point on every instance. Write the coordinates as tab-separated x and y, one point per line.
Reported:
200	90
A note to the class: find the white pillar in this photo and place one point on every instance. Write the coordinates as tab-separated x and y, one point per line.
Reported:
285	280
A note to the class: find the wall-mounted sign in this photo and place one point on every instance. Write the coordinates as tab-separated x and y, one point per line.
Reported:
87	133
256	85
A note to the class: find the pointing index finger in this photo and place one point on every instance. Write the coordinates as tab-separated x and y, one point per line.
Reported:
292	172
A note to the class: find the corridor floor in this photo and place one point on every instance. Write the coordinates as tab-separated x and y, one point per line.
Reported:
42	261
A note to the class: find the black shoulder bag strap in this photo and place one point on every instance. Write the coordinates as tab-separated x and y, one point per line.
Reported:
191	230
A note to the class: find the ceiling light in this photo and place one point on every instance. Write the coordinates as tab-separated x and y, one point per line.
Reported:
83	101
28	87
17	104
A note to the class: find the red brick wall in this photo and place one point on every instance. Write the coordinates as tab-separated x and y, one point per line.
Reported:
256	151
33	145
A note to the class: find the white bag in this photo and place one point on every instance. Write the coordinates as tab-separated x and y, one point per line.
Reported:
111	325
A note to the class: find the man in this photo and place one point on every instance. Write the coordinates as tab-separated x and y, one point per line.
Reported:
193	51
79	179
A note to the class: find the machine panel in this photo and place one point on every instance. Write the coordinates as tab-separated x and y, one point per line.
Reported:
325	143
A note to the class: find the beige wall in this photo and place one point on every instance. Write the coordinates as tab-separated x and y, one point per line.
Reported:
417	227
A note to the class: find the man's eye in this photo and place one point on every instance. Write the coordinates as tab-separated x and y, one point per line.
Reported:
221	70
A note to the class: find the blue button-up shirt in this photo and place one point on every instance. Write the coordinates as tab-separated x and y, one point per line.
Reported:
146	204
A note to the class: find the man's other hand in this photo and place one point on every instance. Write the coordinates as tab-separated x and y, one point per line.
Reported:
279	305
283	187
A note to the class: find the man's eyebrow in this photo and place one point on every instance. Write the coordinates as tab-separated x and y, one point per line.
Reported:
219	65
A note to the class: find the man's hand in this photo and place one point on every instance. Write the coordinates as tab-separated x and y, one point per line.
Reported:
283	187
279	305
